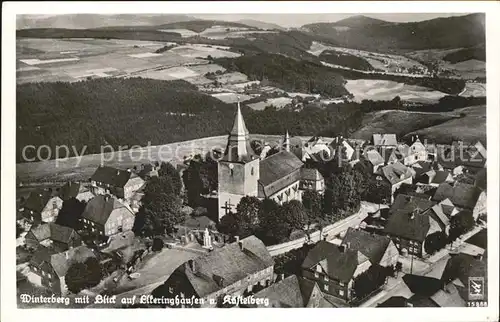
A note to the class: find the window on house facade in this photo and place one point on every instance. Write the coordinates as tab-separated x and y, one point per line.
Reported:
341	292
231	172
341	283
252	171
316	274
325	287
50	283
49	275
326	278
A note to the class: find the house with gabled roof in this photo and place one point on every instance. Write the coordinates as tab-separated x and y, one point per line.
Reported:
334	268
462	195
375	159
415	152
228	271
442	213
49	267
410	223
42	206
397	174
105	216
51	235
384	140
120	183
379	249
292	292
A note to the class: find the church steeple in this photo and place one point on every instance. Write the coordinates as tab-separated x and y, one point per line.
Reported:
238	146
286	142
239	127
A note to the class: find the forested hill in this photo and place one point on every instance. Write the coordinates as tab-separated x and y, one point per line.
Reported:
377	35
135	111
288	73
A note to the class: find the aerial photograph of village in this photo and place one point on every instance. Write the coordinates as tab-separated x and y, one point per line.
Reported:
251	160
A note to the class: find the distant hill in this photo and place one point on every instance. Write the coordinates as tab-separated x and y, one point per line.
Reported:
261	24
360	21
477	53
200	25
378	35
89	21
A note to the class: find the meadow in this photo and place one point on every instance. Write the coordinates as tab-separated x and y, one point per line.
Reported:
382	90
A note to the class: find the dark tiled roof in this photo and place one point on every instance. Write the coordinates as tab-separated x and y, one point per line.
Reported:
461	195
394	301
37	200
384	139
449	296
229	263
336	264
421	168
372	246
69	190
462	266
112	176
274	169
422	301
285	293
310	174
403	224
99	209
479	239
422	285
441	176
61	261
396	172
406	204
52	231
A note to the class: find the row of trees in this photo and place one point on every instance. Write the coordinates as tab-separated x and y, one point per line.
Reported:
271	222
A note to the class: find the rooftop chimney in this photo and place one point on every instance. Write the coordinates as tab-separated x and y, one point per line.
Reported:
240	243
237	238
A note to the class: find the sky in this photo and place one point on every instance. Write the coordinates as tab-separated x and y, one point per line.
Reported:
297	20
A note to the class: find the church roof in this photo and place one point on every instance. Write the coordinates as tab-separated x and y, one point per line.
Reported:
277	167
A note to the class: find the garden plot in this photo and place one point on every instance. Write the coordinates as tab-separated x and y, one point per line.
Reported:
198	80
278	102
386	90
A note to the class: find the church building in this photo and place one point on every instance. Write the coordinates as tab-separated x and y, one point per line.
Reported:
281	176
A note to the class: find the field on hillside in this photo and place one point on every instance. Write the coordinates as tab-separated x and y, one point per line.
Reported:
470	128
76	59
468	69
398	122
384	62
474	89
382	90
277	102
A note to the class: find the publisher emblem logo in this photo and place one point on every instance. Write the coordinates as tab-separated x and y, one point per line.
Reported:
476	288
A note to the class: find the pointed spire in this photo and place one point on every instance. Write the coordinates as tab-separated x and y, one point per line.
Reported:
239	127
238	147
286	143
